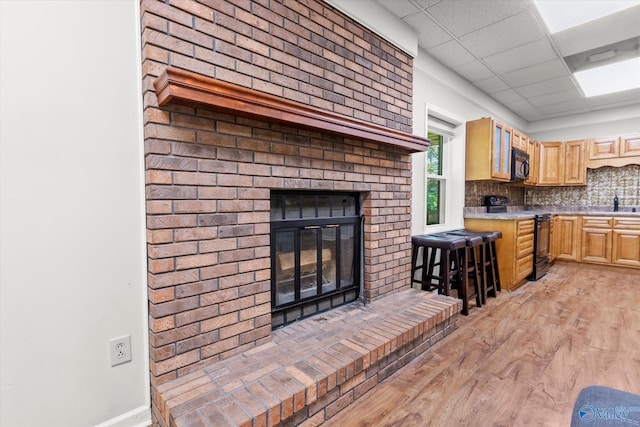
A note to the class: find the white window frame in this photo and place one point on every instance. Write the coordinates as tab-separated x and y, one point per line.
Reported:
441	122
442	178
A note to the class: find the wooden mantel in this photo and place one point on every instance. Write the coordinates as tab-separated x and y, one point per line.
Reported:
186	88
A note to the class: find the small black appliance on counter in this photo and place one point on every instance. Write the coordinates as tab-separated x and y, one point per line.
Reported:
496	204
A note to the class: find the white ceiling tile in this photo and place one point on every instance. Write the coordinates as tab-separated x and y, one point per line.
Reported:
530	114
522	56
432	38
429	33
451	54
464	16
547	86
507	34
517	105
474	71
565	108
507	96
536	73
556	98
399	8
492	85
424	3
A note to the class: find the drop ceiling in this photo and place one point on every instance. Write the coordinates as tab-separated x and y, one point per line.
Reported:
504	48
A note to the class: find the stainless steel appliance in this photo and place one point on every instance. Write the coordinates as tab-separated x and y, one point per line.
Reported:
541	242
519	165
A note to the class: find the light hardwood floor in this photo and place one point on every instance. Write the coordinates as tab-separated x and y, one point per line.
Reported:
520	360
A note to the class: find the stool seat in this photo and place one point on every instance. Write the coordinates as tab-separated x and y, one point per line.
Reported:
438	241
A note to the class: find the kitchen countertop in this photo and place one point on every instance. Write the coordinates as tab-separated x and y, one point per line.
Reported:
518	213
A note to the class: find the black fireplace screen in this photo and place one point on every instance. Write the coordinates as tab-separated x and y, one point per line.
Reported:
315	253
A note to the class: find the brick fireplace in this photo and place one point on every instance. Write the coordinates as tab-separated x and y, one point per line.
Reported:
241	100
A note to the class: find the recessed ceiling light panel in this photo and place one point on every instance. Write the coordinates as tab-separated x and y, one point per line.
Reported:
562	14
620	51
616	77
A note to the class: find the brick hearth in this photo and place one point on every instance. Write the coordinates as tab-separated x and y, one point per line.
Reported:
312	369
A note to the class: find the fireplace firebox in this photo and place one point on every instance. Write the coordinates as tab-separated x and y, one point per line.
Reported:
315	253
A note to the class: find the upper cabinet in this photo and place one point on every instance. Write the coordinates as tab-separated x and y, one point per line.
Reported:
616	151
562	163
604	148
520	140
533	149
488	150
551	164
630	146
488	155
575	168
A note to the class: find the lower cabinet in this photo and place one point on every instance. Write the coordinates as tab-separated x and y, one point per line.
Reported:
596	239
567	235
515	248
626	242
610	240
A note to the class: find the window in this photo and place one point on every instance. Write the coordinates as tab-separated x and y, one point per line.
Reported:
436	179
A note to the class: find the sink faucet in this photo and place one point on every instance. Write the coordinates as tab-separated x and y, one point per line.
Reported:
615	203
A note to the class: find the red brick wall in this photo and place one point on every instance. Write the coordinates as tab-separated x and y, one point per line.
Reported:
209	175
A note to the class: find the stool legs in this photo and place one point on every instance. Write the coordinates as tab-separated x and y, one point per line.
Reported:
492	270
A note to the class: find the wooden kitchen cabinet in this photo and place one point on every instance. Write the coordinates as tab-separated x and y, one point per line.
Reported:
553	246
575	169
562	163
626	242
567	237
596	239
630	146
515	248
533	149
603	148
520	140
551	163
488	151
603	240
616	151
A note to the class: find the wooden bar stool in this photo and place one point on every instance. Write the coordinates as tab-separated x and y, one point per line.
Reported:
474	271
441	252
488	261
467	259
491	263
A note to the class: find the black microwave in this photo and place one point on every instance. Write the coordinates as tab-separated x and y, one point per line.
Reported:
519	165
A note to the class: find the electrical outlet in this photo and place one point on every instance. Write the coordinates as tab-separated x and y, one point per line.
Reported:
120	350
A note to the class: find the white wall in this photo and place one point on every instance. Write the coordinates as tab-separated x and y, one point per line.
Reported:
598	124
72	249
438	89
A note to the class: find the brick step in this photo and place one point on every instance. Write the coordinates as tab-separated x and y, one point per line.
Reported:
311	369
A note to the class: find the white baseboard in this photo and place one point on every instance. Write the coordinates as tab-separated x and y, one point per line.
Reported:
138	417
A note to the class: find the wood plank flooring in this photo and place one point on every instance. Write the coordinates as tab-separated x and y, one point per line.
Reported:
520	360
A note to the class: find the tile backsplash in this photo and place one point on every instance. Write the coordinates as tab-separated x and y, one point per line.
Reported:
602	185
476	190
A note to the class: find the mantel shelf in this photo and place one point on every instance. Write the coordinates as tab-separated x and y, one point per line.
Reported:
176	86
